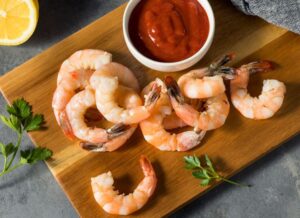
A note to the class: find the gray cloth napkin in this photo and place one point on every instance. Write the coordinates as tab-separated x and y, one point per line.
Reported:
284	13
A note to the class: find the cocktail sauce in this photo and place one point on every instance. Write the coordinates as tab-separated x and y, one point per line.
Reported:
168	30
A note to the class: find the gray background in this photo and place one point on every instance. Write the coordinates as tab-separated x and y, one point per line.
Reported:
33	192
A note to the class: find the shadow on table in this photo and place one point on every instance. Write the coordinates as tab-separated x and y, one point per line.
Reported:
16	177
207	199
58	19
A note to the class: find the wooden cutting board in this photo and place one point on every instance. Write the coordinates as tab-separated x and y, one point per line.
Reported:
236	145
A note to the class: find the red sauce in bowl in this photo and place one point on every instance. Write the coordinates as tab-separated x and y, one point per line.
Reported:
168	30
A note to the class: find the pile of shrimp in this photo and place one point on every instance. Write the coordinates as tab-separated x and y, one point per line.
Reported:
89	79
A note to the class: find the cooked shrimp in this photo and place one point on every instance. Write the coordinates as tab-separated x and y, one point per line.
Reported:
120	204
98	139
206	82
106	85
88	59
74	75
155	133
267	103
126	97
171	121
66	89
215	112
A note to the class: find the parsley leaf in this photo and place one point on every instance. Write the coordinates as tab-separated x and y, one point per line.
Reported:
205	182
34	123
20	108
20	119
31	156
21	112
207	173
10	149
199	175
12	122
209	163
192	162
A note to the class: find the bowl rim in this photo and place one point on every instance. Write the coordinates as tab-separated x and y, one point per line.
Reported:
211	19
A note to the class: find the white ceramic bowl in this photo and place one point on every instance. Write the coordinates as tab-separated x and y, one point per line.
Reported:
169	66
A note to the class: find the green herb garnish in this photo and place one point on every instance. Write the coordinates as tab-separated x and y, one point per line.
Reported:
207	174
21	119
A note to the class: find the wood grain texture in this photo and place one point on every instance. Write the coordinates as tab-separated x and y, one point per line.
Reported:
233	147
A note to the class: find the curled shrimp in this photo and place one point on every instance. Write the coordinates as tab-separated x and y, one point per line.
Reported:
106	84
267	103
74	75
206	82
95	139
214	113
64	92
120	204
87	59
126	97
98	139
155	133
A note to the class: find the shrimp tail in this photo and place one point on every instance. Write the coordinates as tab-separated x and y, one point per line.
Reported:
221	61
148	172
218	68
174	90
117	130
112	133
146	166
258	66
201	135
65	125
190	139
226	72
94	147
153	96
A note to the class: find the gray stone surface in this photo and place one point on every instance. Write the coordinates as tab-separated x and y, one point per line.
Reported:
33	192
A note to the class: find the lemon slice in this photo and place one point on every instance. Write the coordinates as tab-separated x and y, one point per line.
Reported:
18	19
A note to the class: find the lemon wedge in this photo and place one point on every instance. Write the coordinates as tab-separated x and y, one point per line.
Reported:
18	19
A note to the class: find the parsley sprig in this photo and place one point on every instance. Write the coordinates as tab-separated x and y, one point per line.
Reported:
21	119
206	173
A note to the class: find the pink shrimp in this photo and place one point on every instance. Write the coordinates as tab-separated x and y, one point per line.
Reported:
112	202
206	82
267	103
68	86
94	138
106	84
74	75
171	120
215	112
155	133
